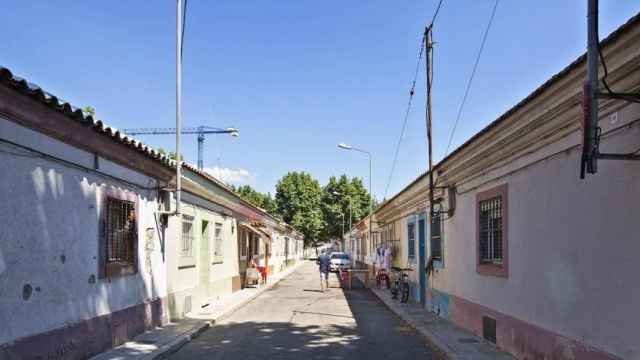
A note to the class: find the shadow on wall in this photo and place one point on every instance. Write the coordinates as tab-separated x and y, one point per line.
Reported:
53	288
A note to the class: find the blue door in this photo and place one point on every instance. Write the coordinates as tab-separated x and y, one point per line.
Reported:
422	239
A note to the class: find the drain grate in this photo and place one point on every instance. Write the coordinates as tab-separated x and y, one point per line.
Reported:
468	341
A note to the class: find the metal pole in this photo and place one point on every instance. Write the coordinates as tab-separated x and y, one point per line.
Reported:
178	102
200	146
592	87
370	204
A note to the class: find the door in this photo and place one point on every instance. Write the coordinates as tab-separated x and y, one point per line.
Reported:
422	239
204	263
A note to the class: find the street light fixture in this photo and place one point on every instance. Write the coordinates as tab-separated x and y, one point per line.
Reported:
349	147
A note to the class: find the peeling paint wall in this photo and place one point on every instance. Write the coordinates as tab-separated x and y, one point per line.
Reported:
50	232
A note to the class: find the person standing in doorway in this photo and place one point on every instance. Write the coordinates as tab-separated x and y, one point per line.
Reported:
323	264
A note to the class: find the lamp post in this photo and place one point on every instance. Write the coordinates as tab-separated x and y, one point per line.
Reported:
341	213
349	147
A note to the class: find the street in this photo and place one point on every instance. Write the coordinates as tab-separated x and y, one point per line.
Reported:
294	320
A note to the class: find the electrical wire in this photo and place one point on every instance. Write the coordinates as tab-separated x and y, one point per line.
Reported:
628	97
184	19
473	74
406	117
411	93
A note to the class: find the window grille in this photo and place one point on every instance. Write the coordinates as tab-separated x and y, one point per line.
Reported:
187	235
436	232
217	252
411	235
121	231
490	232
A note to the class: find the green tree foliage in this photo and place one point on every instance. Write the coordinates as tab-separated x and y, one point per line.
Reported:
171	154
299	201
336	197
89	110
263	201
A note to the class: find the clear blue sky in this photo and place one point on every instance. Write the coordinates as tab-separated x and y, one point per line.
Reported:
296	76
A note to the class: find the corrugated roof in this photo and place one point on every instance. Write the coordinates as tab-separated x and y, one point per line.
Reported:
76	114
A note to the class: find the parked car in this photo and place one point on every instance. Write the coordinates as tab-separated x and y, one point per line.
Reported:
339	261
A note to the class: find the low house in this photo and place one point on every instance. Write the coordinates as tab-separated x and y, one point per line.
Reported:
91	252
528	255
82	266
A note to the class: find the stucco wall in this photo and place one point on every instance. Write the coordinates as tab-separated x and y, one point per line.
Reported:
573	245
50	232
185	274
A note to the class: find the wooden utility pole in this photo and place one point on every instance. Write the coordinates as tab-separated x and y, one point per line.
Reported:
428	45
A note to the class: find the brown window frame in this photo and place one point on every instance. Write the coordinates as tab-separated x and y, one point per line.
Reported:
114	269
486	268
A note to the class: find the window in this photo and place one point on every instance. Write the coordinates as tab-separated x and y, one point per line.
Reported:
218	244
491	232
256	244
187	235
121	235
411	236
436	232
244	242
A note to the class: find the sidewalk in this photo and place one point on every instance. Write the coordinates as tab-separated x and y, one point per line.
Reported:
454	342
160	342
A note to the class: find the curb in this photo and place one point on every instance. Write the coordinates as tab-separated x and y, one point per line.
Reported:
430	337
177	343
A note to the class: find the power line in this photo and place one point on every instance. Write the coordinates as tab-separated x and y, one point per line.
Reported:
411	93
473	74
184	19
435	14
406	117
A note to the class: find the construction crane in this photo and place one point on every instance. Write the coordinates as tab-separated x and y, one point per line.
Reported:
201	131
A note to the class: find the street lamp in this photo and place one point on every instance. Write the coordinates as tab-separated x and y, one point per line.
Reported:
349	147
350	213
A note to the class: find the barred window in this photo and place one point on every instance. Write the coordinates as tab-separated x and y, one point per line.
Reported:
120	231
490	230
244	239
218	238
411	235
187	235
436	232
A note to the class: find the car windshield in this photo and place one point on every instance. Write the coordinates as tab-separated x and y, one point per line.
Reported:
340	256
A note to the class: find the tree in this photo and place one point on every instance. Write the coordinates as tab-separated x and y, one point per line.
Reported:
89	111
298	198
337	196
171	154
256	198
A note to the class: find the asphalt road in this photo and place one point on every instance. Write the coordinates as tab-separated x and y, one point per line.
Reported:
294	320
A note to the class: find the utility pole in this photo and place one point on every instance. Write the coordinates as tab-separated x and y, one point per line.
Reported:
590	134
428	44
178	102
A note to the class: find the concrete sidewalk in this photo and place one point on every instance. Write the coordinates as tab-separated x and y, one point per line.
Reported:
160	342
454	342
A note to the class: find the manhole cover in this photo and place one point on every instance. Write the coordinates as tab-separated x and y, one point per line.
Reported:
468	340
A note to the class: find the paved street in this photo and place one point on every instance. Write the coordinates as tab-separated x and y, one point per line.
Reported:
296	321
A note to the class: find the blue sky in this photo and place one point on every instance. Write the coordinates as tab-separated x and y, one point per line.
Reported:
297	76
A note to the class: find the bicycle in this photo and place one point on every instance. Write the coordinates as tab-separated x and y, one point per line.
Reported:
400	284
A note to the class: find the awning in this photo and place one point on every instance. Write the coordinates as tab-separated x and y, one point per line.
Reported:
255	230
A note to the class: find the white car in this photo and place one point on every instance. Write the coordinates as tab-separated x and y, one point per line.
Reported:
339	261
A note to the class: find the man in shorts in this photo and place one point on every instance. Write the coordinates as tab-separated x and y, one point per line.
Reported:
323	265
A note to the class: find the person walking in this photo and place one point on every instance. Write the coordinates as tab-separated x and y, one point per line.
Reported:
323	265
